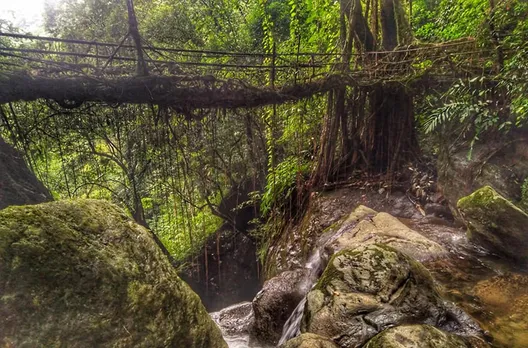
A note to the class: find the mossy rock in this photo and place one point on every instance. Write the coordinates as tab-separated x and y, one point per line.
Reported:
415	336
308	340
368	289
365	226
82	274
496	223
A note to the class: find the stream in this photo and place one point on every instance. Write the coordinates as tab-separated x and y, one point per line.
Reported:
466	276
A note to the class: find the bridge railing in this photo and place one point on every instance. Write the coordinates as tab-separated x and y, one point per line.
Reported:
55	57
69	57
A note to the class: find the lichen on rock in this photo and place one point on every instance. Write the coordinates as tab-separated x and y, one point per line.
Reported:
495	223
368	289
371	227
415	336
82	274
308	340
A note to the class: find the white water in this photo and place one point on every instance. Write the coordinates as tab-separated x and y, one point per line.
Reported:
292	327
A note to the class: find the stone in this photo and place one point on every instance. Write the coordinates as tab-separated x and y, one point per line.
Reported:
501	166
495	223
369	289
416	336
82	274
274	304
308	340
18	185
236	319
371	227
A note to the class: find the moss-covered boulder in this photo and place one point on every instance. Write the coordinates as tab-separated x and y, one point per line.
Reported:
365	226
416	336
501	166
308	340
496	223
366	290
82	274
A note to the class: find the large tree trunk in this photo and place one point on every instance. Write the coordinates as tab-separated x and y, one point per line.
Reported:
377	126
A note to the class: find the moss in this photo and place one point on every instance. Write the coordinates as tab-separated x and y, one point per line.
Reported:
524	195
495	222
425	336
81	274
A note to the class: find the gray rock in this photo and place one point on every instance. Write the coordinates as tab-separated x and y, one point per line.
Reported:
82	274
372	227
503	167
18	185
496	223
308	340
235	320
367	290
274	304
415	336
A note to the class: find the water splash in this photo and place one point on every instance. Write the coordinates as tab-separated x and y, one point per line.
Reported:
292	327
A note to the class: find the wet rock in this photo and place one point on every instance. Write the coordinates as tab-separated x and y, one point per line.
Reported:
373	227
235	320
18	185
505	297
438	210
274	304
82	274
503	167
495	223
416	336
326	209
366	290
308	340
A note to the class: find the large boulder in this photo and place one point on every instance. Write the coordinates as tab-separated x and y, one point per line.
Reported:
308	340
274	304
82	274
365	226
416	336
18	185
366	290
496	223
501	166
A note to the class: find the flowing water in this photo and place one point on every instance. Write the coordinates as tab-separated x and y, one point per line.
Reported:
491	290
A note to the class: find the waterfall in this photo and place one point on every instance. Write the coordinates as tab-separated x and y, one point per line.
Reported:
292	327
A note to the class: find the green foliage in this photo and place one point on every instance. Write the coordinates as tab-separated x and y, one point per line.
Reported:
524	194
441	20
171	226
465	101
281	183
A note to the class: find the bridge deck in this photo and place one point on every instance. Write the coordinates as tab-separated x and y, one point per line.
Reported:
34	67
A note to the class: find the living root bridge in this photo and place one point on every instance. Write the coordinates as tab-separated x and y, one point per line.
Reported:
182	91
